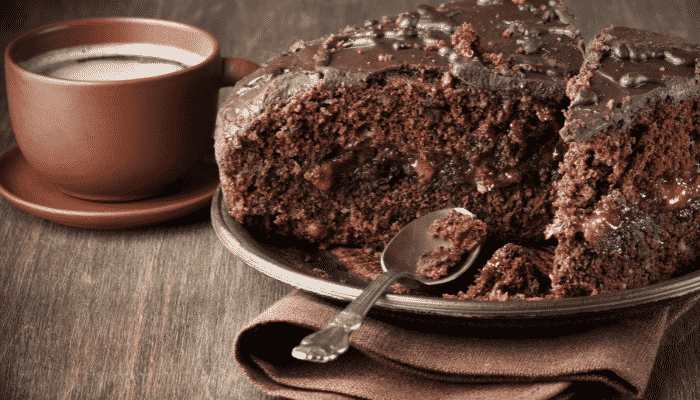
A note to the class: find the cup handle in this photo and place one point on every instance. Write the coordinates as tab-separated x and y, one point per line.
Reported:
234	69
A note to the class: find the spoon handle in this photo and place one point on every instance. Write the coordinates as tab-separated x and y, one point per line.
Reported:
333	340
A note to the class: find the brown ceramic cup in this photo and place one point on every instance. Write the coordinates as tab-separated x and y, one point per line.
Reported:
116	140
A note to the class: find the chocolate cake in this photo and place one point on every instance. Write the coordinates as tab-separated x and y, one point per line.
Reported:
490	105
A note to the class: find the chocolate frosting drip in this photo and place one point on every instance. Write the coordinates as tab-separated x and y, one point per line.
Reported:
624	71
510	47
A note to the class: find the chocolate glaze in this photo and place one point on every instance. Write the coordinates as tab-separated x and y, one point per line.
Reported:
538	48
626	70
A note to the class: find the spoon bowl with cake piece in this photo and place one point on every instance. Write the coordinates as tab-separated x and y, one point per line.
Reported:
432	250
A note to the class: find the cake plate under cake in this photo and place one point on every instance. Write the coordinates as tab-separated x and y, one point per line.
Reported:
343	286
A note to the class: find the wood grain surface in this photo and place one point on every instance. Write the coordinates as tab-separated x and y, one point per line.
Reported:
151	313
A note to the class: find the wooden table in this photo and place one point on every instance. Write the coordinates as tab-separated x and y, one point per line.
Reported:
152	312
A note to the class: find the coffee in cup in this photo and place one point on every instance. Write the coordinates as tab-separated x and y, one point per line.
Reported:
116	109
111	61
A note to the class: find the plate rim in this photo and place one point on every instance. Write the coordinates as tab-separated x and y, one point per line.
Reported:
236	239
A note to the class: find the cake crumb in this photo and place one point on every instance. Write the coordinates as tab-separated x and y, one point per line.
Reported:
497	60
436	45
465	40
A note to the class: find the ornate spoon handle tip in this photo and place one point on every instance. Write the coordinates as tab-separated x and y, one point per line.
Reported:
334	340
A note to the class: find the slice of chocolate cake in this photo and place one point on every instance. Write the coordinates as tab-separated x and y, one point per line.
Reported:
627	203
344	140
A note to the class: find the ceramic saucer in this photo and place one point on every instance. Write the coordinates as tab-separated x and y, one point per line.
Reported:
22	186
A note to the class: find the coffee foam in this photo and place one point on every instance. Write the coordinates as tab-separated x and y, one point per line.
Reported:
112	61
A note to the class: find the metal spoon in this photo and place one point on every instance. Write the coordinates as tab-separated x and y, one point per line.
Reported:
400	258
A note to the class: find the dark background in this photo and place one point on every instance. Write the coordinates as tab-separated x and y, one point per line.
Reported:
153	312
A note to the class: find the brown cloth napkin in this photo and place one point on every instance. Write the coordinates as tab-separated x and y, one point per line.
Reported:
392	361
